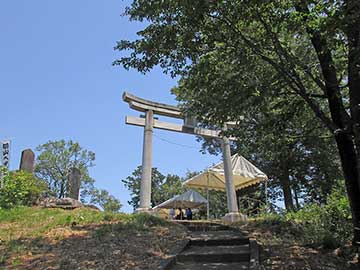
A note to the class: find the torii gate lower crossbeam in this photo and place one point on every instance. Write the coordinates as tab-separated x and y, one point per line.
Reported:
149	123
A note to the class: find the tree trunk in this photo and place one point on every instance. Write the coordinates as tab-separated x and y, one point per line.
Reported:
349	155
296	197
61	193
286	187
353	177
349	163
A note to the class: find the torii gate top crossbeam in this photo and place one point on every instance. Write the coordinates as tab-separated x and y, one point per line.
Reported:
144	105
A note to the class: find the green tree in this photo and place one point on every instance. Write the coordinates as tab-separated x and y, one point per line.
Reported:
308	49
171	186
20	188
162	188
299	157
105	200
294	149
132	183
54	162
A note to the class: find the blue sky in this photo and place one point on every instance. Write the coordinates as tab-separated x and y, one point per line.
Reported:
57	82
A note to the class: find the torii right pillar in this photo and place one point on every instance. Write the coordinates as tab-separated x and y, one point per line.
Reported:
233	215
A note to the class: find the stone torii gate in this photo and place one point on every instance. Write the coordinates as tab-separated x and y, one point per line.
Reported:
150	109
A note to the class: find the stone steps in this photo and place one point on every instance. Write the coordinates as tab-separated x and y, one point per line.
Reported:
219	241
203	227
211	266
214	246
215	254
221	249
217	235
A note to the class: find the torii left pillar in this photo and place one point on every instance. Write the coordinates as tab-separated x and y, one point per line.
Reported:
145	186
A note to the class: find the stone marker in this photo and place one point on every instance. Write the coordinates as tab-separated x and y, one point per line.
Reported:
27	161
74	183
64	203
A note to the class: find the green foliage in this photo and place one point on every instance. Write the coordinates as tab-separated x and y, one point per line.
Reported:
33	222
328	225
20	188
162	188
106	201
54	163
24	229
217	204
55	160
144	220
281	62
140	222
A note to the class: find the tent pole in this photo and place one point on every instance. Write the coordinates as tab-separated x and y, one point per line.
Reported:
207	198
266	196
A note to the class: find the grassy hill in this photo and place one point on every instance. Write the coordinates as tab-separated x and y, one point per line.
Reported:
36	238
290	244
39	239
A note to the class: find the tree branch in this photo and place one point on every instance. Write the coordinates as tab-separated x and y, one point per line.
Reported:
292	83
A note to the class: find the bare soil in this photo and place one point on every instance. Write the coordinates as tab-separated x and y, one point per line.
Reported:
93	247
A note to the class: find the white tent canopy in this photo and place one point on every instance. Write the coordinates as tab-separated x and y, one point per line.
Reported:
245	174
189	199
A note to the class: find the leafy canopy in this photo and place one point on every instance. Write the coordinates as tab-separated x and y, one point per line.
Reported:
105	200
162	187
55	160
282	61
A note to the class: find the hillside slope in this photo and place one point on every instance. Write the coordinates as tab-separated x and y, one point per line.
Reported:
38	239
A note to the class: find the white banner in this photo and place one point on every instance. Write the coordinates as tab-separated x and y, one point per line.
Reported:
5	153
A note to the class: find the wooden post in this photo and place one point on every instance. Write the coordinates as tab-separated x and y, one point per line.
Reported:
207	198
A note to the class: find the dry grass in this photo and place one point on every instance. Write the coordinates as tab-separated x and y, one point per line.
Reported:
37	239
282	247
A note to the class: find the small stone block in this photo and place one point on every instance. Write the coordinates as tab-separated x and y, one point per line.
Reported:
234	217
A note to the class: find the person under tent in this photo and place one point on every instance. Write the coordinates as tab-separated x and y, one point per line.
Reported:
172	214
188	213
180	215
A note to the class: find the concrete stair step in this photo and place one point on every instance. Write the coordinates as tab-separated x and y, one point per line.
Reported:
219	242
201	226
215	254
195	228
217	235
224	249
211	266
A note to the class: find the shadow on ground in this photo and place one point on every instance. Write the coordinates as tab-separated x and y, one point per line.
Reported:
108	246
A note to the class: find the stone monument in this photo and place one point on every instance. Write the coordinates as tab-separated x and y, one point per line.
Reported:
27	161
74	183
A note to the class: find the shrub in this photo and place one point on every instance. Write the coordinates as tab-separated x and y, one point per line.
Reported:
144	220
103	199
328	225
20	188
